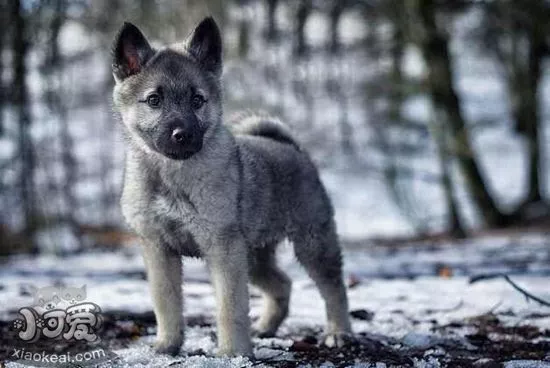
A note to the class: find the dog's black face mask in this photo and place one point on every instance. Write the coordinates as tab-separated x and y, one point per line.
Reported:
169	99
179	129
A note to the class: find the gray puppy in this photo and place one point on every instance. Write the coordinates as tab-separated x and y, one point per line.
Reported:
228	193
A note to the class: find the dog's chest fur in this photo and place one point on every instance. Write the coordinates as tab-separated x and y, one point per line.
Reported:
178	207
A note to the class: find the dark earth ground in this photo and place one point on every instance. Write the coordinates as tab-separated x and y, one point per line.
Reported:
489	344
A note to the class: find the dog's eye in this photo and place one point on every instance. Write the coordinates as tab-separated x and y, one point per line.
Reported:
153	100
197	102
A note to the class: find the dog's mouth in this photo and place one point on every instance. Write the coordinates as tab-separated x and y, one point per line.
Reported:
182	154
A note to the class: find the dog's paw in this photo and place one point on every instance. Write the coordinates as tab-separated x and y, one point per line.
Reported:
338	339
165	347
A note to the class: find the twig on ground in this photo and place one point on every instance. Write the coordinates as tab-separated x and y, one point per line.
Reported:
272	359
525	293
485	276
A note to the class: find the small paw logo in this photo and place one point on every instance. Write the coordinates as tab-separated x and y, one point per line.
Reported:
39	323
18	324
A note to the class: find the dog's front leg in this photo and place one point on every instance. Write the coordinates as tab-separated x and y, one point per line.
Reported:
164	276
229	275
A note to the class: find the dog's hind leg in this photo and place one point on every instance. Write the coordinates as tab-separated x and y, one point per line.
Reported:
275	286
318	251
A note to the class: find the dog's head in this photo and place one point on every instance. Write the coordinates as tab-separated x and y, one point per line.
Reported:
170	100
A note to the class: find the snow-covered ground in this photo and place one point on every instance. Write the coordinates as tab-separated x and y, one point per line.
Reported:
400	286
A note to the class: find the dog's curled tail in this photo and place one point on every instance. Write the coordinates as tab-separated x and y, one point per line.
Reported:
263	125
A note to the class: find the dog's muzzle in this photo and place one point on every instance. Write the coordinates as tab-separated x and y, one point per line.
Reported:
180	141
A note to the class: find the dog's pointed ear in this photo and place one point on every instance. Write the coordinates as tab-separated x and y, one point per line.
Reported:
130	52
205	44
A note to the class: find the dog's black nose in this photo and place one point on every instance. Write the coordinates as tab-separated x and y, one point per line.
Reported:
179	136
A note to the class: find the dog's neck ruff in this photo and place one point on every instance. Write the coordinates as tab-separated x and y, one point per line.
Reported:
207	165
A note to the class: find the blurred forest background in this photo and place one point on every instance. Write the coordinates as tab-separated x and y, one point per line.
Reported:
424	116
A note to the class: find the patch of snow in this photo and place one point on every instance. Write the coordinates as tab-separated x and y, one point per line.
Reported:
526	364
431	362
142	355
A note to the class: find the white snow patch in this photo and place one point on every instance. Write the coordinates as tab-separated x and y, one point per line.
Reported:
526	364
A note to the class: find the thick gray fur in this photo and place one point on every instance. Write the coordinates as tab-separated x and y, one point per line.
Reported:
226	193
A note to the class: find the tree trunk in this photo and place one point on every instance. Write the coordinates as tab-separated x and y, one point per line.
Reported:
438	133
434	47
244	37
303	12
453	216
335	14
57	105
523	85
526	116
3	20
346	129
272	31
394	118
21	102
